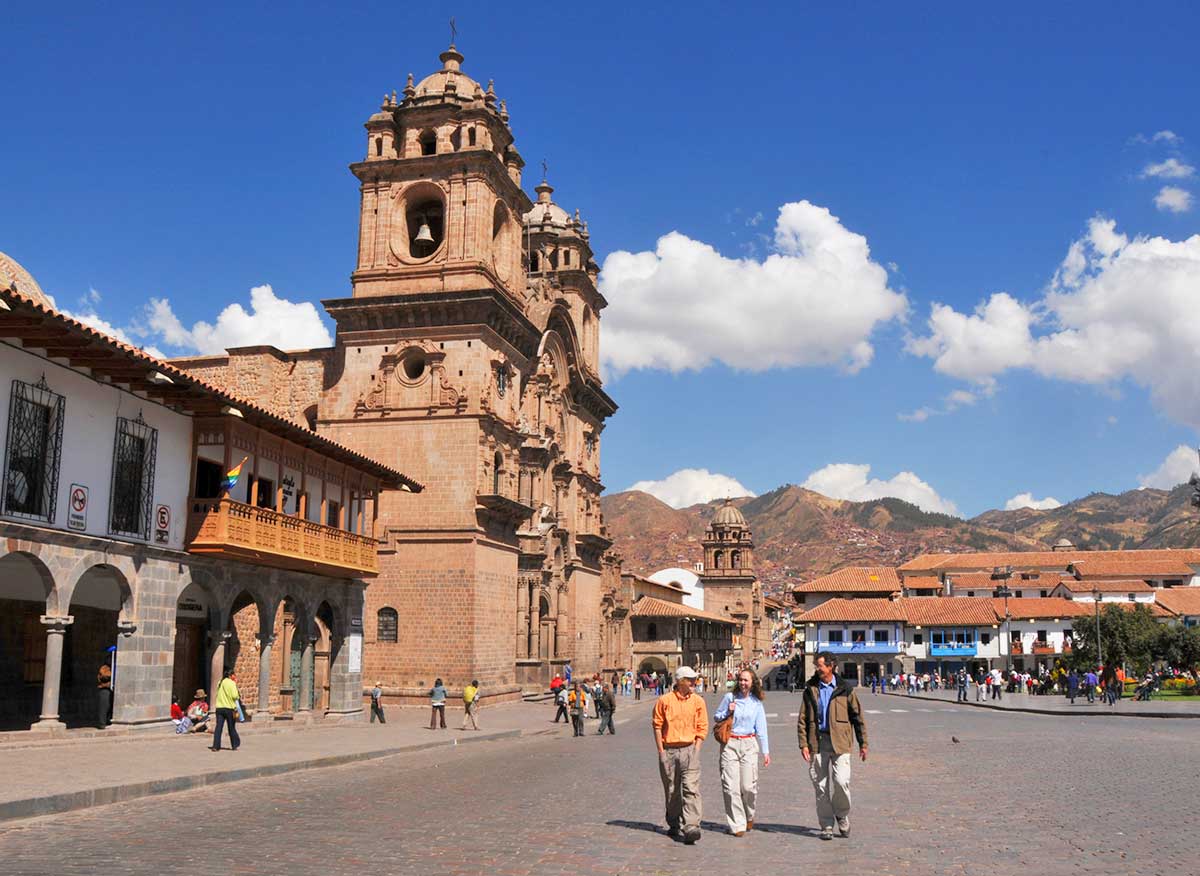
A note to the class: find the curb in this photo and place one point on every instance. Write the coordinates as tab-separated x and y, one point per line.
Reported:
1032	711
72	800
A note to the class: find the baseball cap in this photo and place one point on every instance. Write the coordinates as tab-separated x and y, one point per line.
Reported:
685	672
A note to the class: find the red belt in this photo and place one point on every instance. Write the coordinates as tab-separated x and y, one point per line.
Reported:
747	736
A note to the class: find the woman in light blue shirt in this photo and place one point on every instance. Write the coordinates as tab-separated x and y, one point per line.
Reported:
739	758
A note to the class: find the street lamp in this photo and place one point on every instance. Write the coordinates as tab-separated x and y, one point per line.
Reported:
1099	652
1004	574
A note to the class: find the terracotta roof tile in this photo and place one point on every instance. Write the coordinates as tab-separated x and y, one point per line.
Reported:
1179	600
251	412
1146	567
1038	608
854	610
854	579
1119	562
649	606
1108	585
944	611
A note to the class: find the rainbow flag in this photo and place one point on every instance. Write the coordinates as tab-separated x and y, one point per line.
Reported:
231	477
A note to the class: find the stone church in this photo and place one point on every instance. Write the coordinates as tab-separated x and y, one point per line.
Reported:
467	356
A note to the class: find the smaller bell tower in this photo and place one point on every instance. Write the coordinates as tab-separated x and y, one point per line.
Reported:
441	196
731	587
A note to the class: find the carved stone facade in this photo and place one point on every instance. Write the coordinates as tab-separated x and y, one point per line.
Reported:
474	366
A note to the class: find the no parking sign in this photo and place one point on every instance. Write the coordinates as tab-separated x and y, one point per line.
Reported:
77	513
162	524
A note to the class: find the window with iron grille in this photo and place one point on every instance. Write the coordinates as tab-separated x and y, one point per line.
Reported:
132	478
34	451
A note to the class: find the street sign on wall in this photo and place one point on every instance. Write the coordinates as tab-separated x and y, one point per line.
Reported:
77	510
162	524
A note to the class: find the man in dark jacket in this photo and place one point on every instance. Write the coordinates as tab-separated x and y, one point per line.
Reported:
607	704
830	721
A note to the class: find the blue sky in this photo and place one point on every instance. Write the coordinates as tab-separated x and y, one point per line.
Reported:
189	157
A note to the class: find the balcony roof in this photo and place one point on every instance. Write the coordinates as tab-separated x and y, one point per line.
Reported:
649	606
39	327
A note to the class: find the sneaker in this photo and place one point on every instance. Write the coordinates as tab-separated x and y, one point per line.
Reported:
691	837
749	825
739	833
844	826
827	833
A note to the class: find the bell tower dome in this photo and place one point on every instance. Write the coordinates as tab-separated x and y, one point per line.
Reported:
441	191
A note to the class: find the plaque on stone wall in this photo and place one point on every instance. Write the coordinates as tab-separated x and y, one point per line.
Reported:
354	643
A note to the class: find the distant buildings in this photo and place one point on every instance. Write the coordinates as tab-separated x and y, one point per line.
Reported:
940	612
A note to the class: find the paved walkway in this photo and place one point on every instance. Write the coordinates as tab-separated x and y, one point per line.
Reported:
1173	707
42	778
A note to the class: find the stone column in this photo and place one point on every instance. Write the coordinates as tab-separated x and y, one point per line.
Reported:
216	665
306	676
263	712
56	628
562	644
522	619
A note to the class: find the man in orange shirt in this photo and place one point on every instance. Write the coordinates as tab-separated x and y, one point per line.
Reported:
680	721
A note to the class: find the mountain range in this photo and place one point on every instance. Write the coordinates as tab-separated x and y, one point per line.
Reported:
800	535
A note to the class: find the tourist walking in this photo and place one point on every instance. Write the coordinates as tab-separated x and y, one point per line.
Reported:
739	756
226	706
680	722
830	720
607	704
1090	680
1072	686
578	705
103	695
437	702
637	687
560	700
470	705
377	703
961	678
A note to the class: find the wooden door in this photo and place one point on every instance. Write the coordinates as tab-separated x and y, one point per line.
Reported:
189	661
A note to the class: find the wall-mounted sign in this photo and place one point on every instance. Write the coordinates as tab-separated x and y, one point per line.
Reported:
355	656
289	492
77	512
162	524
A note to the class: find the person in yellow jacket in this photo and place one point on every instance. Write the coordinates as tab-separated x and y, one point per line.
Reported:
226	707
470	705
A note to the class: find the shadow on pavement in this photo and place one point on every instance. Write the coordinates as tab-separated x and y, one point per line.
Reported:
796	829
636	825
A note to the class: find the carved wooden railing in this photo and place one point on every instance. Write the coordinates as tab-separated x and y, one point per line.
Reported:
265	536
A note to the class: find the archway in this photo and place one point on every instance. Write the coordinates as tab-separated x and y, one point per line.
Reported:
26	594
652	664
324	657
193	623
291	658
242	649
91	642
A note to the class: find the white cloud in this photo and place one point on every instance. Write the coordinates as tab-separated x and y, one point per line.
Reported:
815	300
1166	137
1026	500
920	415
690	486
1170	168
1175	469
289	325
1172	199
1116	309
844	480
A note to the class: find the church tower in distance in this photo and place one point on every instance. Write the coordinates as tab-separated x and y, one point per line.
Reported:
730	586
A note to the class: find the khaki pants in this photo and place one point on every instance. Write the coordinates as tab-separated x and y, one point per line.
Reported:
469	715
830	774
680	771
739	781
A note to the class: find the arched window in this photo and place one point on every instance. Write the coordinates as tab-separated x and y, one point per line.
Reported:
428	140
735	560
471	136
456	139
379	146
534	263
719	559
387	625
497	473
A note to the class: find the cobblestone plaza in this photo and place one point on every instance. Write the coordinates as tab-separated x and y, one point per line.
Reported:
1019	793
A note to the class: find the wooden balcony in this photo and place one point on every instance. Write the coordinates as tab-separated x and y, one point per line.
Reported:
222	527
1043	648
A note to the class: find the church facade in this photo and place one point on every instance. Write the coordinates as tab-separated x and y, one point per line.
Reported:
467	353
